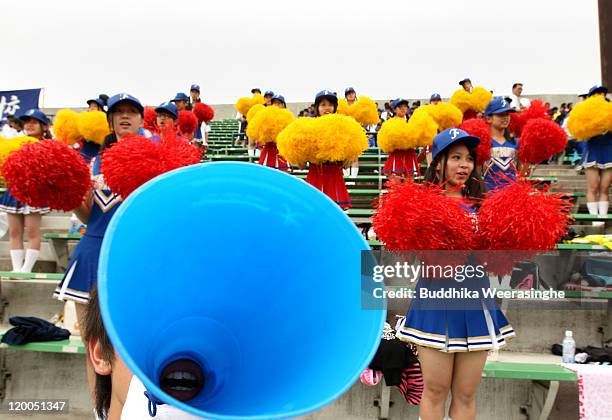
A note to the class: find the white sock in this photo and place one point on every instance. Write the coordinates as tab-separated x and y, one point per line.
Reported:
346	172
30	259
603	207
17	256
593	208
354	172
251	152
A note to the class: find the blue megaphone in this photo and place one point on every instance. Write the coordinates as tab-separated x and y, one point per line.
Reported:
232	290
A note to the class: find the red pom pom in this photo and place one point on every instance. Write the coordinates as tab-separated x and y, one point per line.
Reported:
205	113
150	119
537	109
419	217
540	140
479	128
522	217
187	123
135	160
47	174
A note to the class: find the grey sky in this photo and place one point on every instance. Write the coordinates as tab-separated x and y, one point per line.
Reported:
154	48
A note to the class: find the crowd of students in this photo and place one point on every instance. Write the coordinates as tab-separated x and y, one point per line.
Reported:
452	350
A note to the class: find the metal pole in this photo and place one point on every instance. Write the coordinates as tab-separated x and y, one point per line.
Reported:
605	41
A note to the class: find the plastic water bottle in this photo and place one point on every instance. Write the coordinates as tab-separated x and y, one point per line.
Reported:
569	347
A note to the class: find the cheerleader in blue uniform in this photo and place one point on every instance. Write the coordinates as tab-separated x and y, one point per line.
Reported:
90	149
125	116
502	167
454	334
597	163
21	216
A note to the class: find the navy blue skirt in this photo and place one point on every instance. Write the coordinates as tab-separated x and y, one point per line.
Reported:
598	152
82	272
455	324
9	204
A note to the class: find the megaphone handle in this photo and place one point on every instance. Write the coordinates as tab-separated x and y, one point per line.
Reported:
153	403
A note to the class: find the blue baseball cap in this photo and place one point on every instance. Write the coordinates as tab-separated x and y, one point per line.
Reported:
435	97
180	97
498	105
446	138
349	90
269	93
169	108
326	94
597	89
36	115
98	101
462	82
195	87
279	98
255	90
397	102
115	100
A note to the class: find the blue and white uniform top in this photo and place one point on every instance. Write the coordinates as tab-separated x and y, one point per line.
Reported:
82	271
501	168
105	203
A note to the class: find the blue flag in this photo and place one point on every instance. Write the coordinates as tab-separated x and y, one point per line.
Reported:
16	102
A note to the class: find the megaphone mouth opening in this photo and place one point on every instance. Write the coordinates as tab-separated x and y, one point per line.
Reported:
182	379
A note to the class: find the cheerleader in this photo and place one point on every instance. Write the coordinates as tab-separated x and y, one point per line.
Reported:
181	101
21	216
597	163
278	101
97	104
453	338
90	149
353	170
167	115
268	98
435	99
326	102
502	167
125	116
350	95
466	84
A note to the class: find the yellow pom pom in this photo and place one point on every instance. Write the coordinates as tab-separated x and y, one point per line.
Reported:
480	98
340	139
295	143
394	134
476	101
254	110
265	126
444	114
331	138
93	126
590	118
245	104
8	146
365	111
65	126
343	107
422	128
462	100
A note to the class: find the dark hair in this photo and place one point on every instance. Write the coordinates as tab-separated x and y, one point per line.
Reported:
516	84
94	330
474	188
109	140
